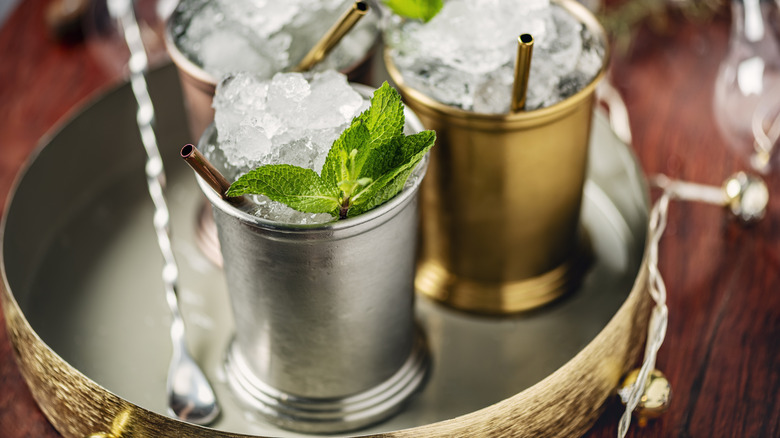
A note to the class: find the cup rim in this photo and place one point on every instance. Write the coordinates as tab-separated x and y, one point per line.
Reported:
425	104
178	57
384	211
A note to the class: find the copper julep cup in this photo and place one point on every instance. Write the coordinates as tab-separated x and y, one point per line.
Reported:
501	199
198	86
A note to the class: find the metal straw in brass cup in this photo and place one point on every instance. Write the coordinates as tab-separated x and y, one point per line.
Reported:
501	199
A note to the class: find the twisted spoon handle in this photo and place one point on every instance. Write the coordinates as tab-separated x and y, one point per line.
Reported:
191	397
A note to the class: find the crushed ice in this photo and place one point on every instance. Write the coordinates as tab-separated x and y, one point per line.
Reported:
465	56
266	36
289	119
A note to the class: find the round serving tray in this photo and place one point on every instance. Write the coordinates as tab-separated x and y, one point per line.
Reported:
84	302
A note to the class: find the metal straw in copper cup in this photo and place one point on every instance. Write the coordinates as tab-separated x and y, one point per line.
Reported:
198	85
501	200
325	335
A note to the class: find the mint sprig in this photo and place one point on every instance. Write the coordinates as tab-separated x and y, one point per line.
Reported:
365	167
416	9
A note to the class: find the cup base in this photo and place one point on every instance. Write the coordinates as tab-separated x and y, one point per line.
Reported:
328	415
503	298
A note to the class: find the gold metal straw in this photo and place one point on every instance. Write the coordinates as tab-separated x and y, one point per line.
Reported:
525	48
333	36
203	167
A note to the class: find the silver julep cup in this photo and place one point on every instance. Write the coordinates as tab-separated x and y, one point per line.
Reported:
325	335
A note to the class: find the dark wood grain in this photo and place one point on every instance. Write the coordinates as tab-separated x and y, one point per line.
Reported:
722	350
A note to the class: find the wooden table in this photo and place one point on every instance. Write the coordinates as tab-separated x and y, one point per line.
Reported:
722	349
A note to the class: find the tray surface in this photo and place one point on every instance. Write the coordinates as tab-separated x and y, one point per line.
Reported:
83	264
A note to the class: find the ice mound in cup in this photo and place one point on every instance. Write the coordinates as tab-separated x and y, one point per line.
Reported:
288	119
464	57
266	36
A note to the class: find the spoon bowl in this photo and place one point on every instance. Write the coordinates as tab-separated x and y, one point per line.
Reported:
190	397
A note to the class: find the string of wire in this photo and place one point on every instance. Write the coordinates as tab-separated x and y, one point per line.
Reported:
656	331
659	317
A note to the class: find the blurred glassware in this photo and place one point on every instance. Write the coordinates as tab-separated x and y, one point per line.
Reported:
106	43
766	130
747	88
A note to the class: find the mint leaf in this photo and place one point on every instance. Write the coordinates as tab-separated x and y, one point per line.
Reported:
414	144
367	149
385	117
392	182
385	121
397	153
379	160
337	163
416	9
301	189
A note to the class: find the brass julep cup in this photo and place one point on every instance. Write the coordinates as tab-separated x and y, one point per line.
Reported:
501	199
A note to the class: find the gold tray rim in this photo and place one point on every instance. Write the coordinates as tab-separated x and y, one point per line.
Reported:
77	406
565	403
